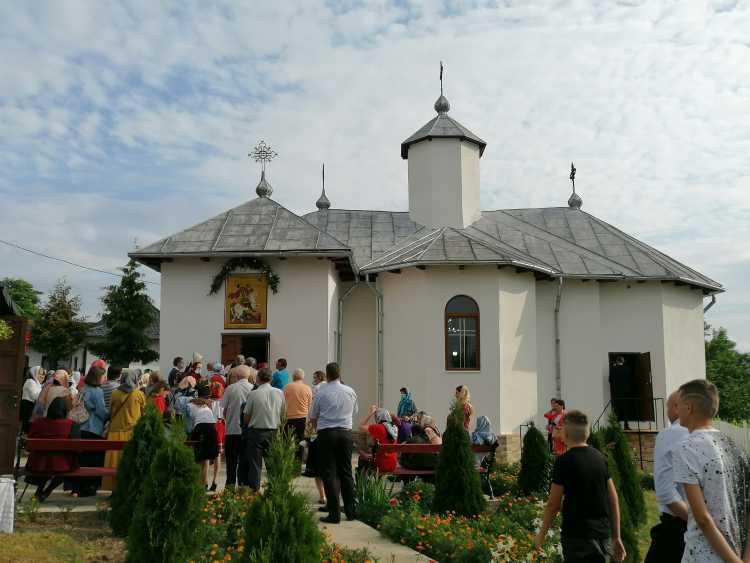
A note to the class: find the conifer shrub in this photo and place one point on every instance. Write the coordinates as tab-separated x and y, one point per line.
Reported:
629	477
458	487
279	526
628	528
166	525
536	463
148	437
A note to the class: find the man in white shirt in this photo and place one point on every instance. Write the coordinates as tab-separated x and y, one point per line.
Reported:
667	537
332	412
715	474
232	400
264	410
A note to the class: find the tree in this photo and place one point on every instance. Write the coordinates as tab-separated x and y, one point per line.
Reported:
59	331
148	436
622	456
457	484
166	525
279	525
536	463
128	314
24	296
729	370
5	330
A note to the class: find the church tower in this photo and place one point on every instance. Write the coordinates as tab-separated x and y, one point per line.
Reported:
443	170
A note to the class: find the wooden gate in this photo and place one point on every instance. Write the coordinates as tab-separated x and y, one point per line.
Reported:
11	380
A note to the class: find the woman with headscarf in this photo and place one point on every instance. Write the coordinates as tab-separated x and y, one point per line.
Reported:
406	406
92	428
383	431
483	435
425	431
31	389
55	425
125	409
58	385
404	428
201	426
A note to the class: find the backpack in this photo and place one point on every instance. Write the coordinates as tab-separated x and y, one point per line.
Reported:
78	413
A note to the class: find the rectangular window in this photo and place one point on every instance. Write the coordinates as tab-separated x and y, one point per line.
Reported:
462	343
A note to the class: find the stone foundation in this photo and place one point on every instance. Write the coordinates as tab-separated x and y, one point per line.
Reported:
508	448
643	455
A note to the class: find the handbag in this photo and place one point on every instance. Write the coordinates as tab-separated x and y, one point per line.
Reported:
78	413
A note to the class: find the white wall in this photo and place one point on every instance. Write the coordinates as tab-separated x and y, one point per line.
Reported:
444	183
504	389
298	316
684	349
359	361
545	339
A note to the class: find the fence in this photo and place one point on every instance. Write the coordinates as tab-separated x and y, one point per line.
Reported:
739	432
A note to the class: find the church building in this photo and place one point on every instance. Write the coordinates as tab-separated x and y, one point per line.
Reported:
521	305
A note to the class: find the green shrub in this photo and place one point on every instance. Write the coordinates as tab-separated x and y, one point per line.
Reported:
139	452
628	528
373	493
458	487
418	493
166	525
504	479
630	485
536	463
279	527
647	481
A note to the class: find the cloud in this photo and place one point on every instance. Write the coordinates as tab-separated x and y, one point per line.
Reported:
132	120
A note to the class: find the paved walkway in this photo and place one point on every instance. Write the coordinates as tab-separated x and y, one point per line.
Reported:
351	534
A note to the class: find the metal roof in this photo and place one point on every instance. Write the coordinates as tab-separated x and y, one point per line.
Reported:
100	330
445	127
557	241
260	226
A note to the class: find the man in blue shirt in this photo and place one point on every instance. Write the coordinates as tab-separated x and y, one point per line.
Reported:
333	408
281	375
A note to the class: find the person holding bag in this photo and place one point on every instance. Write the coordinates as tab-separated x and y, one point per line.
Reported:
91	401
126	408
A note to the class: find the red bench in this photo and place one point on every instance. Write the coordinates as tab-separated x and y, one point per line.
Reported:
400	471
70	445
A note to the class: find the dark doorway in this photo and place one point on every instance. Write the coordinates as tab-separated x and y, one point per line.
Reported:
249	345
630	386
11	382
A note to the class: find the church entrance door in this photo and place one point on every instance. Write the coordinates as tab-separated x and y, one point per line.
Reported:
631	388
12	361
249	345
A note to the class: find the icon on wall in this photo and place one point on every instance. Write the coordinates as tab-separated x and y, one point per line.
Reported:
246	302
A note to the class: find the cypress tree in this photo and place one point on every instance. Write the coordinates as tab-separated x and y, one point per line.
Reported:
148	437
630	485
166	526
536	463
279	526
457	484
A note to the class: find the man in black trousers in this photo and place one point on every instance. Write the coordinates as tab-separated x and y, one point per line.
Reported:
334	407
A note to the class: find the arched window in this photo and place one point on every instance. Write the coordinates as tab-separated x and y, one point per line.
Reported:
461	334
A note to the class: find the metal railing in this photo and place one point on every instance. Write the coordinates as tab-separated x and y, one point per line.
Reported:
629	412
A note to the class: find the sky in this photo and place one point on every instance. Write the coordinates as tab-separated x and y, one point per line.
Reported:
122	123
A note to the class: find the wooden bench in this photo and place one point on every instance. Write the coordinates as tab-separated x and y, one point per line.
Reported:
400	471
70	445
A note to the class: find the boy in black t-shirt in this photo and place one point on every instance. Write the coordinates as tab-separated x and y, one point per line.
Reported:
590	510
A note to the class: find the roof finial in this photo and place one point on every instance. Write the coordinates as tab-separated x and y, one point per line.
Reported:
575	200
442	105
263	153
323	202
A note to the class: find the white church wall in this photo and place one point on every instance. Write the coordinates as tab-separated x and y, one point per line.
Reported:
517	350
545	340
414	347
582	382
359	362
193	321
684	350
444	183
333	308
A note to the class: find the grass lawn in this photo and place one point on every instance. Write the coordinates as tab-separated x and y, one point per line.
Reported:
652	517
81	537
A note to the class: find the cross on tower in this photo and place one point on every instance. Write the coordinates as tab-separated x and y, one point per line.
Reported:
263	153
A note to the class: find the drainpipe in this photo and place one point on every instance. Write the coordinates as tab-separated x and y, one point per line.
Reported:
558	376
379	300
713	302
340	323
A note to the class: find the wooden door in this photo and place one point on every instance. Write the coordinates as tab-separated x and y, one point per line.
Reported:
644	387
231	345
12	361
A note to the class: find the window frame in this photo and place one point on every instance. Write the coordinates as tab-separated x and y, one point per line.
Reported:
446	317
